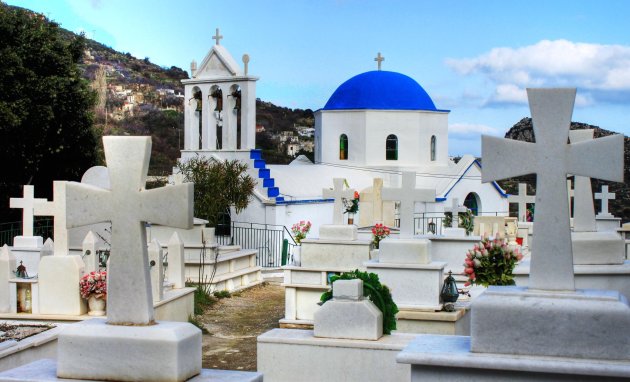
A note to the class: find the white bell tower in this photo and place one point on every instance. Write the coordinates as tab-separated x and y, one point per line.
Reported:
220	104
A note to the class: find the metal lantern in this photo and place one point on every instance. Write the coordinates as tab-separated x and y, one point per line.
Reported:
431	227
449	290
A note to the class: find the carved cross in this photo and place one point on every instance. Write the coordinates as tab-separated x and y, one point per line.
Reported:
128	206
551	159
27	203
455	209
338	193
605	196
57	209
522	199
408	195
379	59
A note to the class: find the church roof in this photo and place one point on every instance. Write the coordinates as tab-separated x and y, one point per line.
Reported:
380	90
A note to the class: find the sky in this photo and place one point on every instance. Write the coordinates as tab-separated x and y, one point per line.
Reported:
473	57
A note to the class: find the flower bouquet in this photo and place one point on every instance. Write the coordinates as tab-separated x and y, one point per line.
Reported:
94	284
352	205
300	230
491	262
379	232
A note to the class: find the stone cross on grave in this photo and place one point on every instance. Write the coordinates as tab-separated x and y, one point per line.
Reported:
27	203
455	209
605	196
522	199
128	206
408	195
379	59
338	193
56	209
551	159
583	207
217	37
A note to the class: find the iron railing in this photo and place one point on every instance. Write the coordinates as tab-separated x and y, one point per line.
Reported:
433	222
41	227
267	239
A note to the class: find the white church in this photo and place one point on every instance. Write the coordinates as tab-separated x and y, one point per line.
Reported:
377	124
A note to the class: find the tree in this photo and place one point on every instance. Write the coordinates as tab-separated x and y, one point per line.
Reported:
45	106
219	185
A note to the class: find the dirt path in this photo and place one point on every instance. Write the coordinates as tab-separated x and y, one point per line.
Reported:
235	322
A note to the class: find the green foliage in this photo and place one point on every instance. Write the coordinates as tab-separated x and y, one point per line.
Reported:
222	294
378	293
203	300
195	321
219	185
45	105
466	220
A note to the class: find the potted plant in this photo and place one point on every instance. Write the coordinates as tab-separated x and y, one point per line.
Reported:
93	287
299	230
491	262
352	207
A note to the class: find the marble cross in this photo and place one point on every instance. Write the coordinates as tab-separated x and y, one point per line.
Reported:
379	59
605	196
56	209
338	193
217	37
455	209
408	195
570	195
551	159
27	203
128	206
522	199
583	206
375	199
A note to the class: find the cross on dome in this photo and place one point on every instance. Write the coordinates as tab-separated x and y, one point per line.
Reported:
379	59
217	37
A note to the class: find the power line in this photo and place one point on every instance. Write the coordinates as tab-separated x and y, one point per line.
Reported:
397	172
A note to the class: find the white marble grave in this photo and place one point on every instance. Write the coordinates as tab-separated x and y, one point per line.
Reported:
176	269
455	209
557	325
522	199
604	219
407	194
7	266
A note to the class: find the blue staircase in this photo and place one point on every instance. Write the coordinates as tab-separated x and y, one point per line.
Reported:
265	175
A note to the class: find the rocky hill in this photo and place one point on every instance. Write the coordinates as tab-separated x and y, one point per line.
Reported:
620	207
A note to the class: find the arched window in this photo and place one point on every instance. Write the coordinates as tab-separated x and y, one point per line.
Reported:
472	202
433	148
343	147
391	147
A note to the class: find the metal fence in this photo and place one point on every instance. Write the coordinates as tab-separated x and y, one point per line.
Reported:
433	222
267	239
41	227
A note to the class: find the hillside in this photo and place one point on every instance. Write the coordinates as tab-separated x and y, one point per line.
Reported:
523	131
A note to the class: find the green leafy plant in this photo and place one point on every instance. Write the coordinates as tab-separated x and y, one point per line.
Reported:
195	321
376	292
491	262
222	294
466	220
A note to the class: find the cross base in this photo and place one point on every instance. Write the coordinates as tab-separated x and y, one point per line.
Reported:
454	232
592	324
94	350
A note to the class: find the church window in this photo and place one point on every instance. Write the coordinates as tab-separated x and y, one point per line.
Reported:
391	147
472	202
433	148
343	147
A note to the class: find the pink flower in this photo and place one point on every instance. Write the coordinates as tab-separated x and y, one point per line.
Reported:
469	271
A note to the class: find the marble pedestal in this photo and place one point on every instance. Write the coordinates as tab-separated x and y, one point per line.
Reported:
448	358
329	253
454	232
57	294
338	232
92	349
607	223
597	248
28	250
588	324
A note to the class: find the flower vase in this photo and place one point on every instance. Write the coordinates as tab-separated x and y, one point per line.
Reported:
296	256
96	306
350	218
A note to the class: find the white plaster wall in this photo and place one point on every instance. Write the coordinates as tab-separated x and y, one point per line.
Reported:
330	125
491	200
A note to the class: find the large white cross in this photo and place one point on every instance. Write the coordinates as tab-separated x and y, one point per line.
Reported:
583	207
338	193
408	195
27	203
56	209
522	199
455	209
379	59
551	159
217	37
605	196
128	206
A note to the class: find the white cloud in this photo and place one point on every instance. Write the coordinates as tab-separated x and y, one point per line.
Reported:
471	130
600	72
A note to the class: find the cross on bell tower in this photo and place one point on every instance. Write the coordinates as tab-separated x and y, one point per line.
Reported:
217	37
378	59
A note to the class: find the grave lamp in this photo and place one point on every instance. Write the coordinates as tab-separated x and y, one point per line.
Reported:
449	293
431	227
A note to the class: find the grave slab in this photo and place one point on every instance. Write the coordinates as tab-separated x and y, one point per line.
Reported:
338	232
57	294
598	248
405	251
348	254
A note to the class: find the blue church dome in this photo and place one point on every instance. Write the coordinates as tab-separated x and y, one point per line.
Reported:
380	90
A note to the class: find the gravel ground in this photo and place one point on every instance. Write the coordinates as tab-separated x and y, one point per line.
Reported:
234	323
